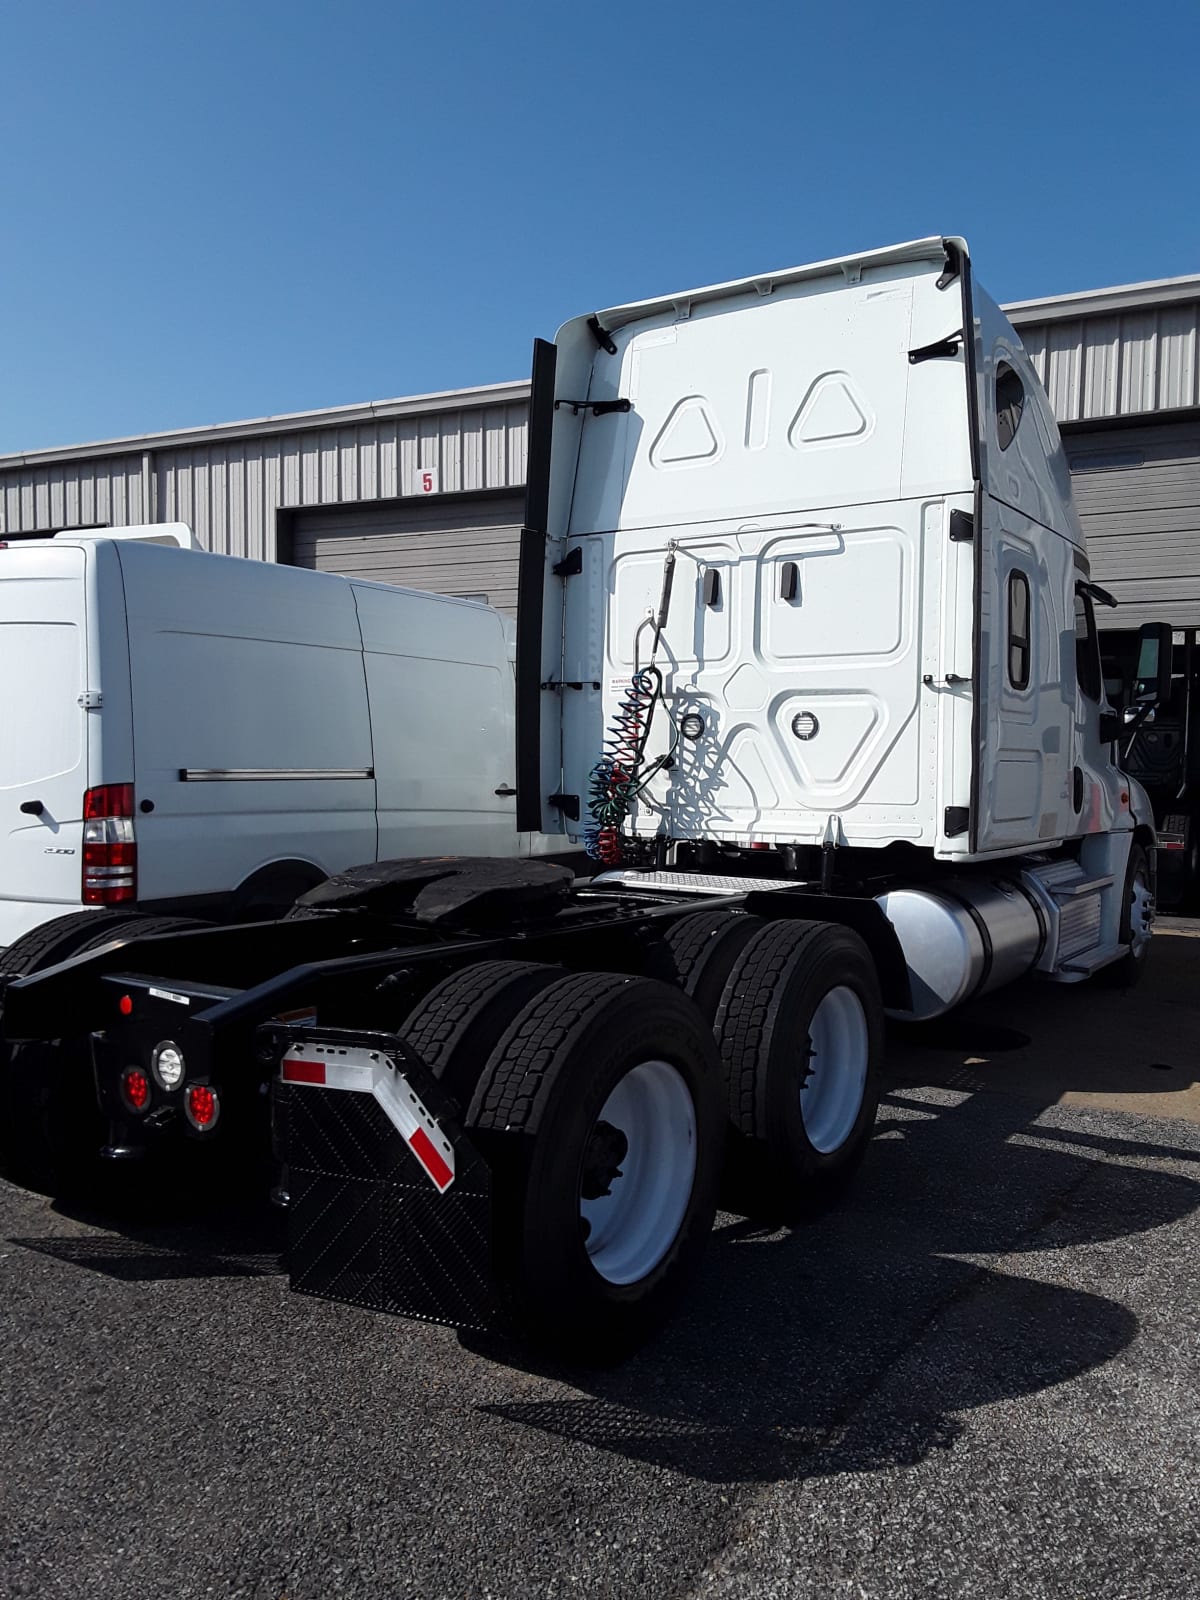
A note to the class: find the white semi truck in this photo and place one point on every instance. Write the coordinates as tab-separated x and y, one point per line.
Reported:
807	661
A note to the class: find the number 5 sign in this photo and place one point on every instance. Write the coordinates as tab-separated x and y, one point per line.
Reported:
425	480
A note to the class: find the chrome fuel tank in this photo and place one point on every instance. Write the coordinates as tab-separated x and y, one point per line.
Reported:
961	937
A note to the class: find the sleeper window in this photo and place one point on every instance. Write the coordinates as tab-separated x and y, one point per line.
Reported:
1018	630
1010	403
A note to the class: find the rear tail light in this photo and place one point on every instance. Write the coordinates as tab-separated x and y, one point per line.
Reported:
135	1088
109	849
167	1064
202	1107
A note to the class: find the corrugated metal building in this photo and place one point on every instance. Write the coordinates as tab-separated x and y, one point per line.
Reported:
428	491
1122	369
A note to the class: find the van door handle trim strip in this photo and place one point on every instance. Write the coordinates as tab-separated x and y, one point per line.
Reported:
269	774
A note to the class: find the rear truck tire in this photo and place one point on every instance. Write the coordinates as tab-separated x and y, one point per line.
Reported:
60	938
600	1114
800	1032
51	1125
43	946
1137	918
697	953
454	1029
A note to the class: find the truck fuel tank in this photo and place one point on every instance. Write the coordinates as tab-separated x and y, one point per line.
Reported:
962	937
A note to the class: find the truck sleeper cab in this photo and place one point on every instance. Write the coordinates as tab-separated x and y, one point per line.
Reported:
807	661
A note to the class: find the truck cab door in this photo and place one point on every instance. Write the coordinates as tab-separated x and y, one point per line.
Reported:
1026	553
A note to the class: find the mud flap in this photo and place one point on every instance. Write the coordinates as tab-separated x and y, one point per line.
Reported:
389	1205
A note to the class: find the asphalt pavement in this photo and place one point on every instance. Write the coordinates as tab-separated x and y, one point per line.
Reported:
979	1376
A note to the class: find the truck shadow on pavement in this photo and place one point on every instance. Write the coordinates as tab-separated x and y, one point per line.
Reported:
942	1283
205	1230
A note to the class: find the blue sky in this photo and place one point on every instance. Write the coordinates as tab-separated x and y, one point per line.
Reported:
215	209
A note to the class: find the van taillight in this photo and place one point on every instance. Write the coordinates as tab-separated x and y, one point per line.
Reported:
109	849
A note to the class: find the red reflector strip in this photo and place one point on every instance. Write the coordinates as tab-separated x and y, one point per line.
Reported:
303	1071
423	1148
1170	844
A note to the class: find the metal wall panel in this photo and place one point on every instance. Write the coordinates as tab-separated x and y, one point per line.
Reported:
464	546
1138	493
229	491
74	495
1119	365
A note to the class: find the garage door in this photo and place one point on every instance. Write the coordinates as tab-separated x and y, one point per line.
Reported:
464	546
1138	493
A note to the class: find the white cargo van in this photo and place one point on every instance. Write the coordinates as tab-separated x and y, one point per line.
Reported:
202	734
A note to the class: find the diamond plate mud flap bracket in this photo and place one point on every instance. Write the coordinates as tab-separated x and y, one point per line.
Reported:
389	1205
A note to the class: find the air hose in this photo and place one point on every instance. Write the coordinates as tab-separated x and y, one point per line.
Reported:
617	778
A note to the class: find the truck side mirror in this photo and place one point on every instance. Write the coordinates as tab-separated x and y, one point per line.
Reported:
1152	681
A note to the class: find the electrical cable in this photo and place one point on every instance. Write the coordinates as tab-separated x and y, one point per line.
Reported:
617	778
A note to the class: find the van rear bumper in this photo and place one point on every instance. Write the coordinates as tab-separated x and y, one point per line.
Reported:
19	917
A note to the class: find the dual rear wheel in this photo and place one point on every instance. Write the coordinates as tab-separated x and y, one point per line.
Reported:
611	1108
598	1108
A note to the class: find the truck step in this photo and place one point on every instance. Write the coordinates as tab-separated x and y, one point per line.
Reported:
1069	891
1082	966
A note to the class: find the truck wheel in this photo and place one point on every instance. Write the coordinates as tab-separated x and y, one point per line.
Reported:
800	1034
41	947
600	1114
697	953
61	938
455	1027
51	1128
1137	919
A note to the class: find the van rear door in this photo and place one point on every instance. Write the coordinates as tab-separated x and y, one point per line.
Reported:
43	729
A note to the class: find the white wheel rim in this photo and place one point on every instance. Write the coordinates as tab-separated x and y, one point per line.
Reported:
1141	913
630	1229
832	1094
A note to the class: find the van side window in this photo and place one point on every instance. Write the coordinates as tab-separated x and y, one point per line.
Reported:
1018	630
1087	645
1010	403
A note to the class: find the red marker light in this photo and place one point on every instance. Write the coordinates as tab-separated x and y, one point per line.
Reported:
202	1106
125	1005
135	1087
